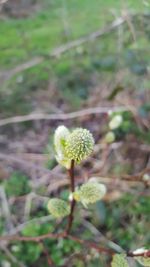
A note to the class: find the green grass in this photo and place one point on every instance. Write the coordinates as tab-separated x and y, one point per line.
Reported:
44	30
72	73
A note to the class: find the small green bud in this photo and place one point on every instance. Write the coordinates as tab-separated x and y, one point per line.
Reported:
58	207
109	137
60	137
146	177
90	192
115	122
79	145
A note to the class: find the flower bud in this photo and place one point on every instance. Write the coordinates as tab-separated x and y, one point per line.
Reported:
79	145
60	137
109	137
58	207
115	122
90	192
146	177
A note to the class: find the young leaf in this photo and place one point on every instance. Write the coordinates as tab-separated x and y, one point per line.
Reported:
119	260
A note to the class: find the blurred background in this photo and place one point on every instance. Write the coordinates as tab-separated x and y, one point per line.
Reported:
59	57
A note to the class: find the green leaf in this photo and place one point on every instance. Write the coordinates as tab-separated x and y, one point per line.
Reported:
119	260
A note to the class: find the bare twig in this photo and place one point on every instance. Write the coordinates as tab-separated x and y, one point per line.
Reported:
62	116
56	236
137	177
27	164
130	178
5	209
30	239
128	19
49	259
28	205
101	237
65	235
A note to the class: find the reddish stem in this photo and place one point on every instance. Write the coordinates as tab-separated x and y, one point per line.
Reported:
64	235
73	202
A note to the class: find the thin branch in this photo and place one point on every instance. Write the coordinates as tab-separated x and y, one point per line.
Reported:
5	208
32	239
73	202
28	206
128	19
71	175
100	237
27	164
62	116
139	177
56	236
49	259
142	254
78	240
91	245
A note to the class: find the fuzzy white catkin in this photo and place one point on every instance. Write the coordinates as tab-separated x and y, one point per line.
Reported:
90	192
76	146
58	207
79	145
60	137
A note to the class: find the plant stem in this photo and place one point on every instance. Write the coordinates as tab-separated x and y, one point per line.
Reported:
73	202
87	243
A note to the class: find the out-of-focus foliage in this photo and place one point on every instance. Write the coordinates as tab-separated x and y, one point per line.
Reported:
17	185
